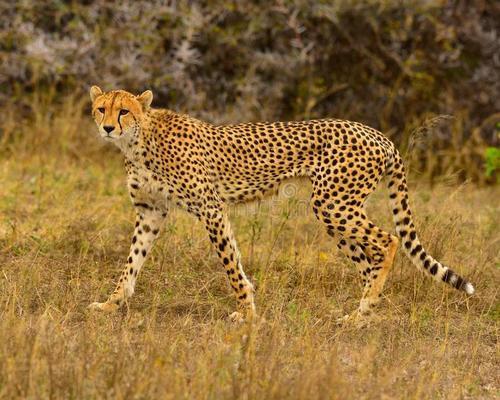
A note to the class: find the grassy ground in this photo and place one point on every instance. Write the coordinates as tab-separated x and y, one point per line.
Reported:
65	226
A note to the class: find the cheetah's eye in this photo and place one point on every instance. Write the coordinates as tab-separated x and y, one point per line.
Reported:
123	112
101	110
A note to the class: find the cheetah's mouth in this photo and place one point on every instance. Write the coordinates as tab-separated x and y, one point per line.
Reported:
108	136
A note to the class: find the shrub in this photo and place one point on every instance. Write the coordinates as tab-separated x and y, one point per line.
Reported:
390	64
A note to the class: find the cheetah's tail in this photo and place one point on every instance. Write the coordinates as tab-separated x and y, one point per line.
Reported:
406	230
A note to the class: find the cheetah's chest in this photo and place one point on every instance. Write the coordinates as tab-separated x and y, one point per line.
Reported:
147	187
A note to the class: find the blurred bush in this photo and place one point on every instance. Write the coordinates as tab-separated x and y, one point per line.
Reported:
390	64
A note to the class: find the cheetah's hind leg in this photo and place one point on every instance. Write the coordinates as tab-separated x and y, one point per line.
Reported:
370	248
373	261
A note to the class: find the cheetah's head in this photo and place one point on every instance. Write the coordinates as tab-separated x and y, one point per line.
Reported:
118	113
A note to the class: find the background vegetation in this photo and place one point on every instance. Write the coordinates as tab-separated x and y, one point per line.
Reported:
425	72
391	64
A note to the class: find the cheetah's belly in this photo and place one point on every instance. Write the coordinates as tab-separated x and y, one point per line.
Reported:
243	190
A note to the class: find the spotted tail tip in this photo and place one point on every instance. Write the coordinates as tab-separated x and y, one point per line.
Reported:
469	289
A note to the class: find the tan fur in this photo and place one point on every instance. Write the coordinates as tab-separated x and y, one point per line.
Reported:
172	158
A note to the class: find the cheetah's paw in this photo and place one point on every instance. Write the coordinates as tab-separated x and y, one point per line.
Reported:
237	317
106	307
355	319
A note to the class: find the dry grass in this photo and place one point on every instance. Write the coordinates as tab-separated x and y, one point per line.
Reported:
65	225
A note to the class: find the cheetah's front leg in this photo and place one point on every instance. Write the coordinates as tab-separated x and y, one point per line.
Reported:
221	236
147	226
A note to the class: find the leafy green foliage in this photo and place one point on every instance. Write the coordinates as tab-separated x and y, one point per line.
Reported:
492	158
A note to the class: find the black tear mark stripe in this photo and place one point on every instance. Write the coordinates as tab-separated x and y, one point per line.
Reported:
120	115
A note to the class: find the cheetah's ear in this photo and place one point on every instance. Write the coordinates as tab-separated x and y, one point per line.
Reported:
95	92
145	98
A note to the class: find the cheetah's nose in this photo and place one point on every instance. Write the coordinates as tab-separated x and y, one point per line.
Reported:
108	128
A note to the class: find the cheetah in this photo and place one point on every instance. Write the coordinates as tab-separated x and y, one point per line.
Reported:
175	159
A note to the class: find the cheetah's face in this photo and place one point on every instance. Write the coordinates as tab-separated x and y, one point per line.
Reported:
118	113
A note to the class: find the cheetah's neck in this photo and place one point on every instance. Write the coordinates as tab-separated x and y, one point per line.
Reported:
130	145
